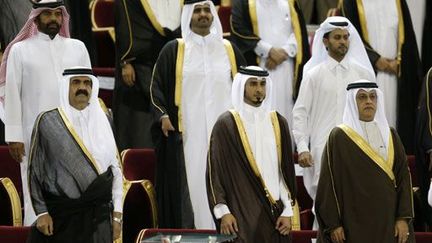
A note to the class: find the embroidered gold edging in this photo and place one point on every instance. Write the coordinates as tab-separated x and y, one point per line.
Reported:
231	56
428	75
386	166
240	35
151	90
295	223
78	139
179	80
130	31
253	16
277	133
401	37
148	187
92	13
141	235
411	194
362	18
249	154
298	36
14	199
152	17
332	181
210	174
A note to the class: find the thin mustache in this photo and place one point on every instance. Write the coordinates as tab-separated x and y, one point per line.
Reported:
81	91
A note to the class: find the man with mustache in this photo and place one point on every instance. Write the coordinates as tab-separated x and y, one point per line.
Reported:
29	75
250	173
338	58
364	191
74	169
190	88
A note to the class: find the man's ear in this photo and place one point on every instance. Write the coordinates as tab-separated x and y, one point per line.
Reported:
325	41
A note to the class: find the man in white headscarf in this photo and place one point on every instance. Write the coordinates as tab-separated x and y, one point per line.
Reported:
338	58
364	192
250	172
74	170
31	69
190	88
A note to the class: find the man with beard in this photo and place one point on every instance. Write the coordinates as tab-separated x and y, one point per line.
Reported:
190	88
74	170
29	75
338	58
364	191
250	172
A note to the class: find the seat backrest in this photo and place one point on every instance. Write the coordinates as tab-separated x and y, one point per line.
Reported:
303	236
303	198
13	234
139	164
146	233
10	205
139	208
102	13
11	169
224	13
423	237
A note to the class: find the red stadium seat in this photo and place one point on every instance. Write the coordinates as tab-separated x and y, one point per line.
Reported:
224	13
11	234
11	169
139	208
139	164
423	237
102	13
303	236
10	205
306	219
303	198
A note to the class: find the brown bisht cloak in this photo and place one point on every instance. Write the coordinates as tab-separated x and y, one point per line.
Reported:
361	191
231	180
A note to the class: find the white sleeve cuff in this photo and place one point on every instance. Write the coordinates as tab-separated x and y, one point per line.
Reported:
37	216
220	210
262	49
290	49
288	211
302	147
14	133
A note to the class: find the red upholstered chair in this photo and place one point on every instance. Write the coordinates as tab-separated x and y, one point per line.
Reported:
102	13
10	205
303	198
306	219
11	169
303	236
423	237
139	164
139	208
11	234
146	233
105	73
224	13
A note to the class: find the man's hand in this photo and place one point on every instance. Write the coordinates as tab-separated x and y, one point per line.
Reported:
305	159
278	55
401	231
270	64
228	224
338	235
283	225
393	66
166	126
117	227
382	64
16	150
45	224
128	74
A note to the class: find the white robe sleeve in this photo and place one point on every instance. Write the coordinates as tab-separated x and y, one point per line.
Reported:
13	107
117	188
284	196
430	195
290	46
301	113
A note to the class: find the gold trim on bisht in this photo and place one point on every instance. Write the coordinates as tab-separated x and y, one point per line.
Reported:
401	35
386	166
249	154
130	31
362	19
231	56
14	199
253	16
152	17
75	136
428	75
179	81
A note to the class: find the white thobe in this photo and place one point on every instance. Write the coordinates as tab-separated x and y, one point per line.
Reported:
80	121
34	70
430	194
319	108
374	138
275	30
383	38
206	94
260	133
167	12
